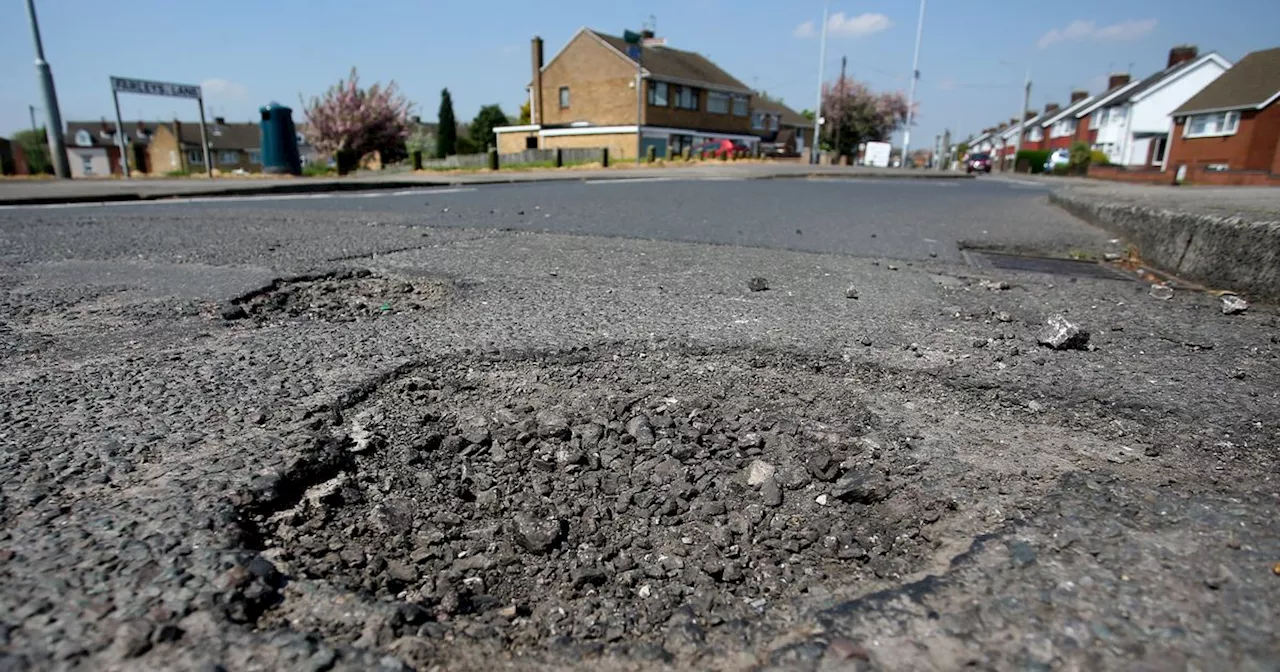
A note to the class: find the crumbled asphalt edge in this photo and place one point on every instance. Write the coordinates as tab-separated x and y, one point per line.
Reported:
278	296
260	502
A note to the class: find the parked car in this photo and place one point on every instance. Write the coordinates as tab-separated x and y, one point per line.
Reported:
717	148
980	162
1059	157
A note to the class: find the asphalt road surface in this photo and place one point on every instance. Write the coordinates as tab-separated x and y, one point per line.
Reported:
553	427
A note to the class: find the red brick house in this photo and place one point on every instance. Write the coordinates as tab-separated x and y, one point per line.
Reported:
1059	126
1233	124
1086	122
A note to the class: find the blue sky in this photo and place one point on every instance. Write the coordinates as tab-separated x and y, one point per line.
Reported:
249	53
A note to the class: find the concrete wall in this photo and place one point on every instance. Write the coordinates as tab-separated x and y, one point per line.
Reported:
620	145
1222	252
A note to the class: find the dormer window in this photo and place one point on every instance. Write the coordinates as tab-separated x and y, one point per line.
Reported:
84	138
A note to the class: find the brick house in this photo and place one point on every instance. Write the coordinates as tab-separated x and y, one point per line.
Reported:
1233	124
1059	126
1131	123
585	96
785	129
175	146
94	151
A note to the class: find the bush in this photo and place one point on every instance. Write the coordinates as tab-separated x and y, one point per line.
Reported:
316	170
177	173
1098	157
1062	169
1035	159
1079	159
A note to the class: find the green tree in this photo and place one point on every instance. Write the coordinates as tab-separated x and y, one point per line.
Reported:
447	135
526	116
35	145
808	114
481	132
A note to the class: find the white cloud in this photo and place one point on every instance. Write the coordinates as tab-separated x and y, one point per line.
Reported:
224	89
840	25
1089	30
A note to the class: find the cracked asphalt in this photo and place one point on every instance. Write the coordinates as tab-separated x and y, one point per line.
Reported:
183	491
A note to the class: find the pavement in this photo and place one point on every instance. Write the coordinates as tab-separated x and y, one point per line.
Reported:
428	431
32	192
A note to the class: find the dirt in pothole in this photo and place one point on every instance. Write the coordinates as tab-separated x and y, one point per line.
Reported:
659	505
345	296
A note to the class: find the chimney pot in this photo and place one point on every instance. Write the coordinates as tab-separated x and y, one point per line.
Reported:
1050	108
535	102
1182	53
1077	96
1117	80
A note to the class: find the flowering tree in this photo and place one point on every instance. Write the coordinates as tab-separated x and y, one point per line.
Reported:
855	114
355	121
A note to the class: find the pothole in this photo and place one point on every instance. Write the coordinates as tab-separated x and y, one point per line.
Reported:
675	504
343	296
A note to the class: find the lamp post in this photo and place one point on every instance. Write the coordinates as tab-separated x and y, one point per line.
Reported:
57	145
911	91
822	61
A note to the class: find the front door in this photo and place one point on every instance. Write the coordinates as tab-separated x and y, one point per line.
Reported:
1160	146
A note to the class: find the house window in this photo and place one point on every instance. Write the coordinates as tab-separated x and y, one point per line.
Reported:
195	156
1118	114
84	138
1095	120
757	121
717	103
1218	123
564	97
255	156
739	106
229	158
1063	128
1035	134
686	98
773	122
658	94
86	163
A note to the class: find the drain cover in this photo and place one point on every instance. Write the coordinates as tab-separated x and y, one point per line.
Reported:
1053	266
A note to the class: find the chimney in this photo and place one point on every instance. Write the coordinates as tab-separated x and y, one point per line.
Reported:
1117	80
1077	96
1182	53
1051	108
647	34
1031	114
535	103
221	121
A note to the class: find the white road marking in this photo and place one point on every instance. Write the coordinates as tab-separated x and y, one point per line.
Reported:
630	180
249	198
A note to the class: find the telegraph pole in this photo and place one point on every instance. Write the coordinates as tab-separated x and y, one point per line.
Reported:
32	110
1022	119
911	92
57	145
840	126
822	62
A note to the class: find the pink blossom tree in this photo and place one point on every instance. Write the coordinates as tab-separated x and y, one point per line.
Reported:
350	121
855	114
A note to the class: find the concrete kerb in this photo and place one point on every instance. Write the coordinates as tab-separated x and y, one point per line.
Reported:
330	186
1225	252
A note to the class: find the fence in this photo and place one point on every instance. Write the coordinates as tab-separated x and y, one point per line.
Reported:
568	156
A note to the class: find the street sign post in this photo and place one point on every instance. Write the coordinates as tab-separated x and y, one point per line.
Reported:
634	51
146	87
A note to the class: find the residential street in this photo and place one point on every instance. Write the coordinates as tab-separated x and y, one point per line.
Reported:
554	426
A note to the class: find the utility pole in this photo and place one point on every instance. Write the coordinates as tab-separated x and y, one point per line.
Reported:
911	92
822	62
32	110
839	125
57	145
1022	119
